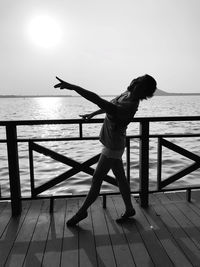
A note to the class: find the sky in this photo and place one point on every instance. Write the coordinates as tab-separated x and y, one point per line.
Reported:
100	45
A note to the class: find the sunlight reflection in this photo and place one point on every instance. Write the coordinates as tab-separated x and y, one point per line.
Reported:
48	106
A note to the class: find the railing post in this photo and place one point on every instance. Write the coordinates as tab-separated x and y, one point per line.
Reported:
159	166
80	130
13	165
104	201
144	163
188	195
128	159
30	144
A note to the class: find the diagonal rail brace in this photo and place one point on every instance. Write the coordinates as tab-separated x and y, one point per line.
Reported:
180	150
180	174
185	171
76	167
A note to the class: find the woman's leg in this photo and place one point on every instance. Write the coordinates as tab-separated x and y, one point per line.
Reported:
118	171
103	167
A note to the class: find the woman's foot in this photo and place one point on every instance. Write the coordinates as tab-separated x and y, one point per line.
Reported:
126	216
79	216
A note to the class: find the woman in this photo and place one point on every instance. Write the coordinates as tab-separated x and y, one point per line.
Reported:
119	113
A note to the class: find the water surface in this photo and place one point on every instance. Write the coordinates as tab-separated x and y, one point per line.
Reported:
69	108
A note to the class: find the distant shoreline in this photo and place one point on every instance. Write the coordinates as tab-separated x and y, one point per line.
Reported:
36	96
157	93
32	96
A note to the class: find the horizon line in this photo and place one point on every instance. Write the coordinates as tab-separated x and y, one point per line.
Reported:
161	93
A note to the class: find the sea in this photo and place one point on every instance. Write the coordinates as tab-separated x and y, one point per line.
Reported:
45	168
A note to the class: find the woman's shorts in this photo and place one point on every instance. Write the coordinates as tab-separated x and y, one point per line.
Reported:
110	153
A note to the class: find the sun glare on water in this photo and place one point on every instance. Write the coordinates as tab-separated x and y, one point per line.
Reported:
44	31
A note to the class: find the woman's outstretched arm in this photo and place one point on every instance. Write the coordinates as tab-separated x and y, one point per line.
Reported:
92	97
91	115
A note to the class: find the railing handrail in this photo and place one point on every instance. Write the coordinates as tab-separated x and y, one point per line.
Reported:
82	121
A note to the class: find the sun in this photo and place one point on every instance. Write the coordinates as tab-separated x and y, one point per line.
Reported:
44	31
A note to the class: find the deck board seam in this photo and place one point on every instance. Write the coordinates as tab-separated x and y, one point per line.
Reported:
114	204
62	244
137	203
5	206
39	212
106	222
93	233
171	237
183	227
180	247
157	238
190	207
14	240
46	241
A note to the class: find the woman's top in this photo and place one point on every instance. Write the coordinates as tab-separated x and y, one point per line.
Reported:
113	131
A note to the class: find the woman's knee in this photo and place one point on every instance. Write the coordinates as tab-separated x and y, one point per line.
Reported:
117	166
96	181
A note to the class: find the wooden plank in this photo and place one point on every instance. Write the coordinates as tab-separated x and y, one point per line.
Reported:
190	220
182	219
181	195
161	198
5	217
53	248
105	256
119	242
151	241
183	240
189	209
36	249
19	250
87	246
136	244
168	242
3	204
8	238
194	204
173	196
70	254
196	198
196	195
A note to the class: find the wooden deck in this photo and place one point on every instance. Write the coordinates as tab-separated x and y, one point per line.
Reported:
165	234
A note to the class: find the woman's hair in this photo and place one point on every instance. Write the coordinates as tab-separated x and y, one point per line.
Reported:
149	84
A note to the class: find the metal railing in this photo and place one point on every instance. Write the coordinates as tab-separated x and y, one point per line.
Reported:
144	135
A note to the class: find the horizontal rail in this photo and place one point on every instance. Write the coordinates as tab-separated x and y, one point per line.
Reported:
81	121
135	193
25	140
